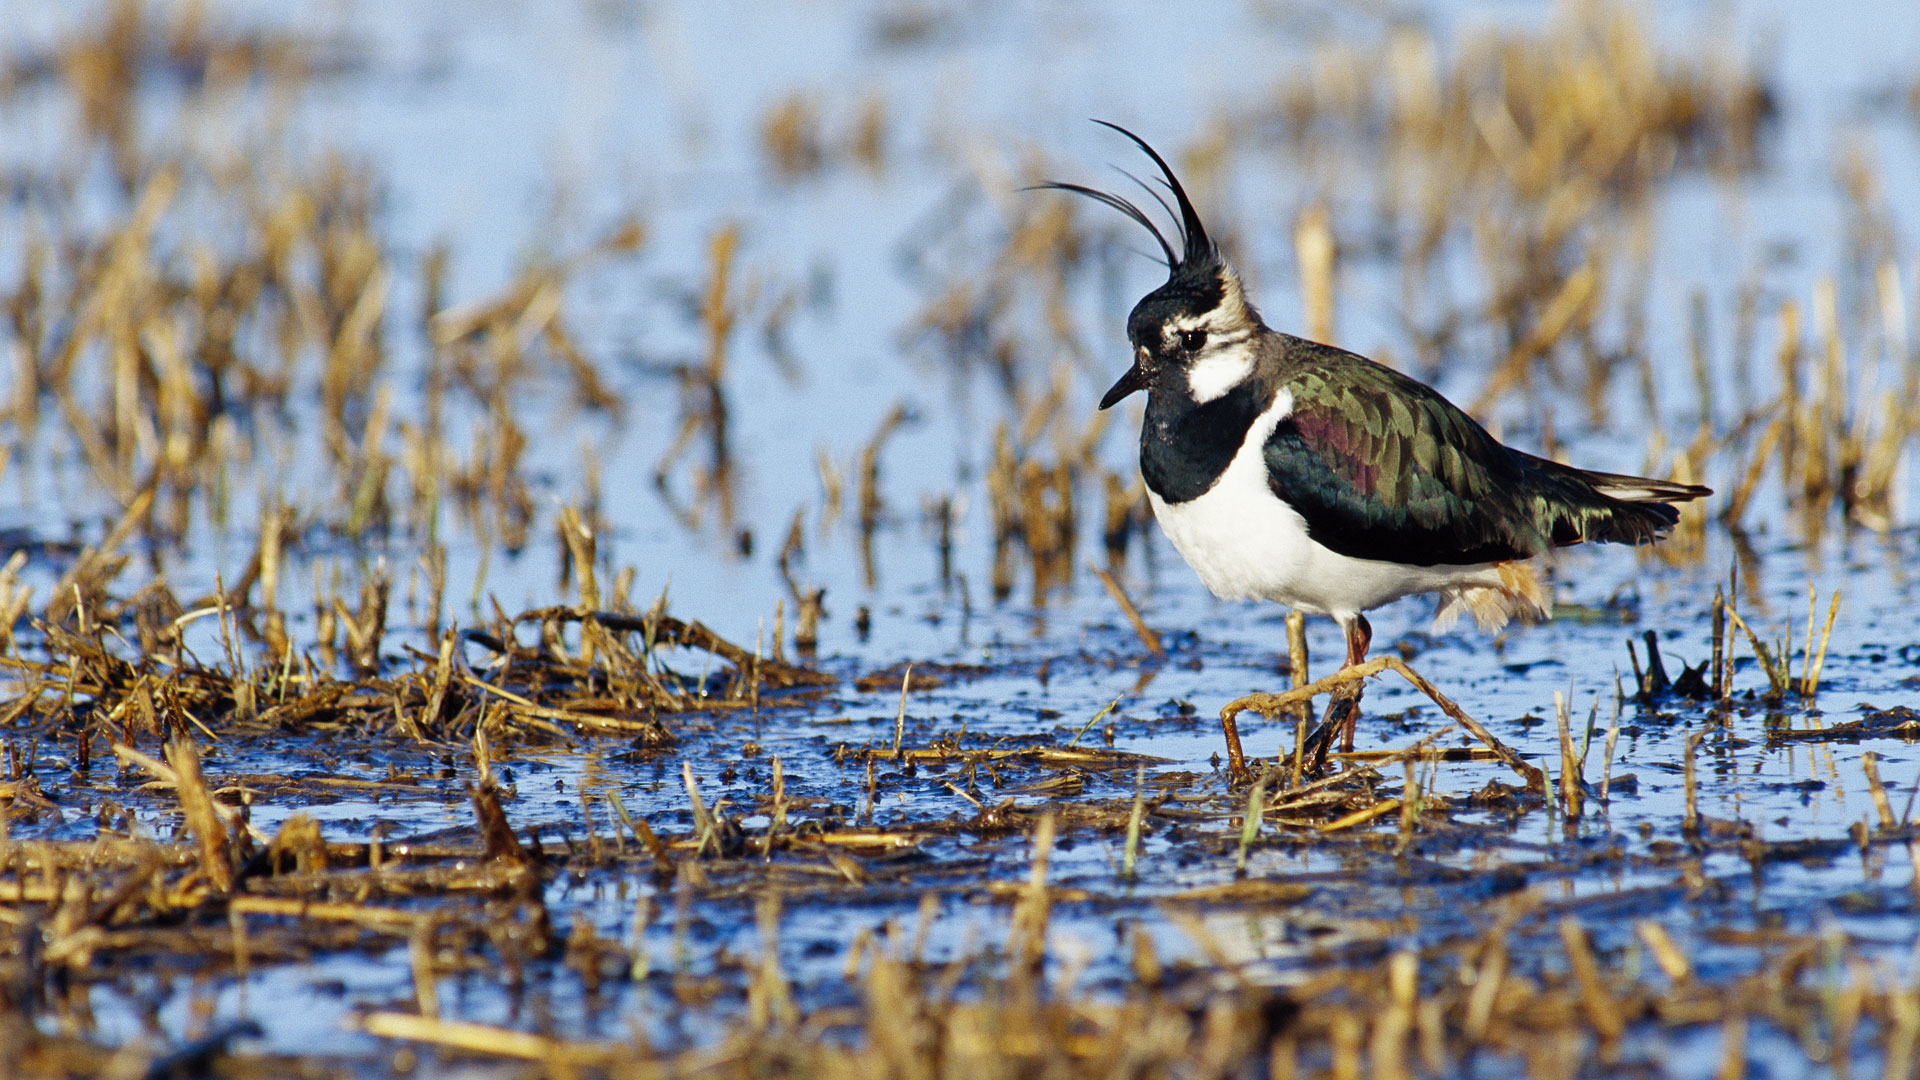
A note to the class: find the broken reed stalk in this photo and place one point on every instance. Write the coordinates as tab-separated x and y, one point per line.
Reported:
1749	482
1779	678
426	990
1409	803
1394	1024
1135	818
900	717
1613	737
1361	816
1250	825
1870	764
487	1039
207	820
1027	936
1572	793
1603	1012
1816	661
1488	979
871	504
769	1000
203	820
1724	676
1733	1046
1274	705
1420	751
1103	713
626	818
1314	251
496	834
1114	589
706	830
777	816
1777	662
1673	963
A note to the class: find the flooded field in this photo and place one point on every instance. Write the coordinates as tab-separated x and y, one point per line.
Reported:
576	539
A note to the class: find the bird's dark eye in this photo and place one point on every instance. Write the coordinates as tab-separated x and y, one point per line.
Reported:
1192	340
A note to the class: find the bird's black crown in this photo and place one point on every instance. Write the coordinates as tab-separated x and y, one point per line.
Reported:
1199	281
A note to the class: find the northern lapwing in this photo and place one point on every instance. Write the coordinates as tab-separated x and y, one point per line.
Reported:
1284	469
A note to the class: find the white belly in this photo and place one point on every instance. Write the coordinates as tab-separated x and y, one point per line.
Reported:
1246	544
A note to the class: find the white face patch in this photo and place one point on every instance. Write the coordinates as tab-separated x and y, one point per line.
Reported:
1224	361
1219	369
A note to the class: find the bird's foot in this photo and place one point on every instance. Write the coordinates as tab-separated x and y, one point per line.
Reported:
1273	706
1259	703
1237	771
1342	711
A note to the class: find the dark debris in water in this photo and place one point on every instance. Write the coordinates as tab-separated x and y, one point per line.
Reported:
1899	722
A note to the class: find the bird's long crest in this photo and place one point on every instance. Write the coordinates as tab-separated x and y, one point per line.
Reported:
1196	248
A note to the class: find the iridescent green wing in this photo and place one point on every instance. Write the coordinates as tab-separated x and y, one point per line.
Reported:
1382	467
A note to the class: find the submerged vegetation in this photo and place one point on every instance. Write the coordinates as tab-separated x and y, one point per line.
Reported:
597	837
